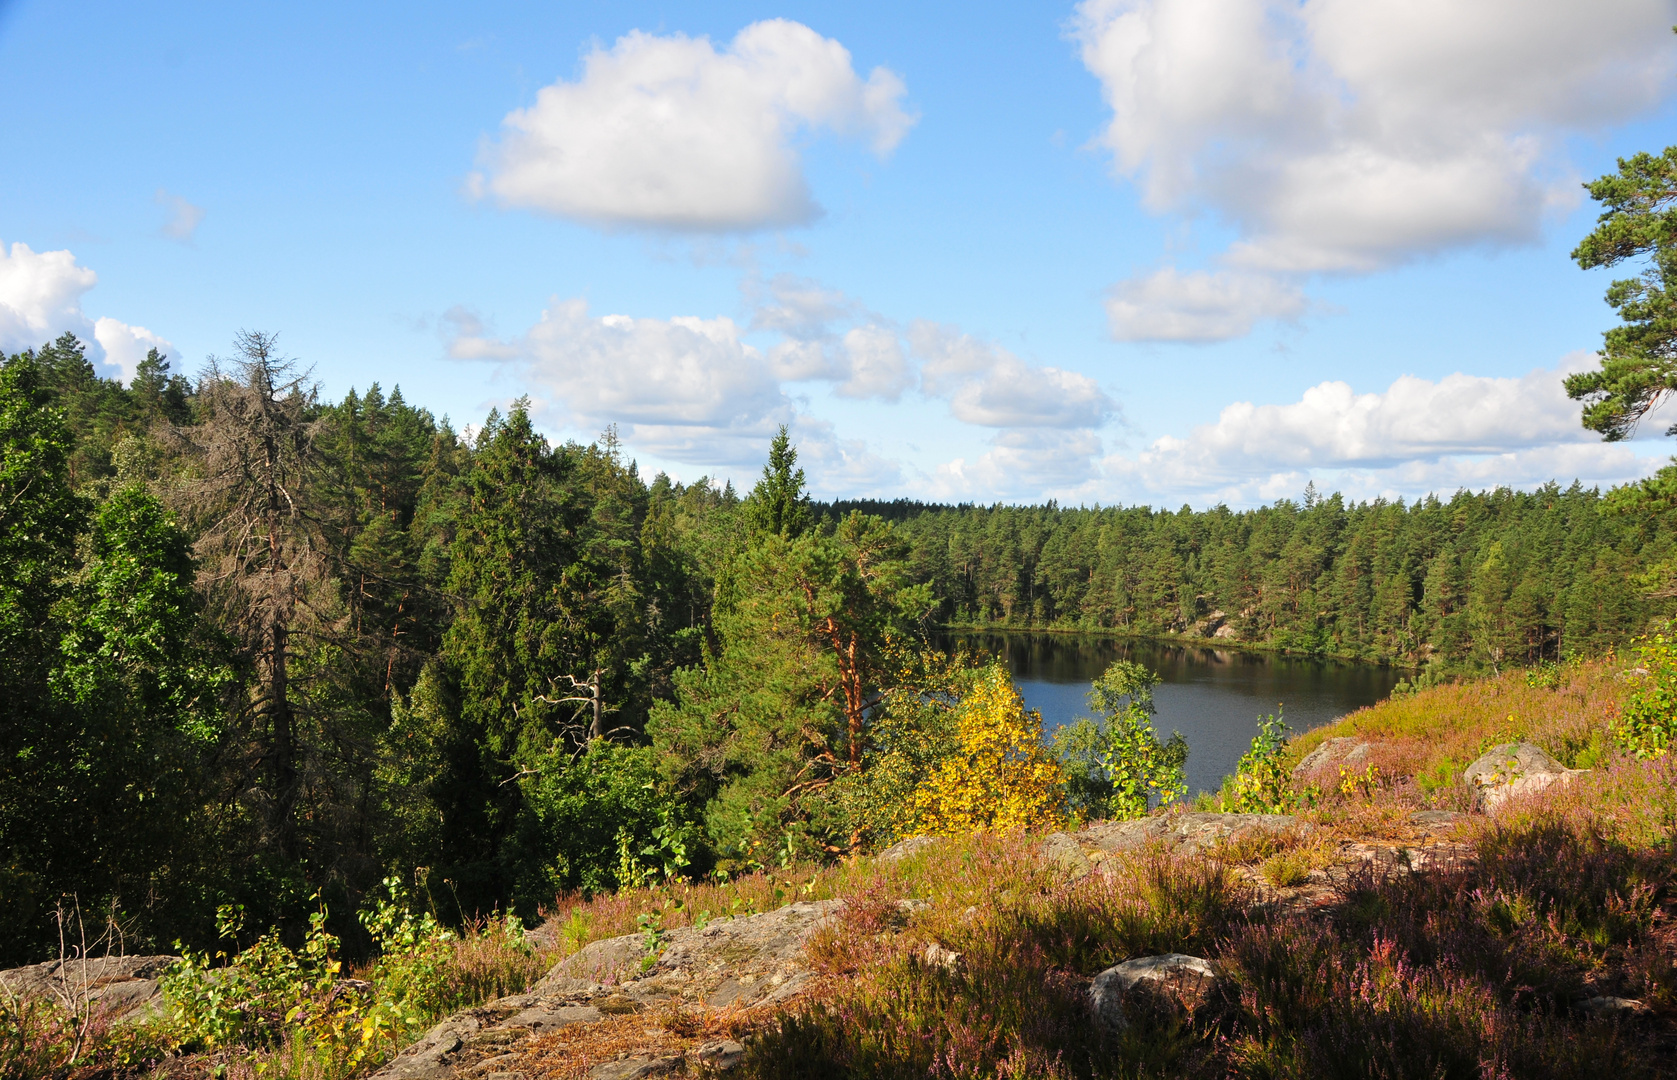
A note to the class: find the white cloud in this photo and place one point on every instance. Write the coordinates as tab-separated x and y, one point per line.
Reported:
1417	435
125	346
864	361
1026	466
183	216
670	132
1169	306
687	389
989	386
876	366
41	298
840	468
1353	135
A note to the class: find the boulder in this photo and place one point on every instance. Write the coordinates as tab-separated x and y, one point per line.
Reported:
121	988
1063	850
1175	980
1514	769
1345	750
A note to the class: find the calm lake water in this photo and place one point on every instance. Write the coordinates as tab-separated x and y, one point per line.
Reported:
1213	696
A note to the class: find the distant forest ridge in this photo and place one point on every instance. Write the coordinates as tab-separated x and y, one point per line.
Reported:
1475	581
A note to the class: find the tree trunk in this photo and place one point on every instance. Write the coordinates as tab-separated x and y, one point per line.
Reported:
285	753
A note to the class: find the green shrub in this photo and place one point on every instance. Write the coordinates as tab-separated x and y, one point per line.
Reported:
1115	766
1261	783
1648	720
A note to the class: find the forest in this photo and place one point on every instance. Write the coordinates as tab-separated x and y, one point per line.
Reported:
264	649
1470	582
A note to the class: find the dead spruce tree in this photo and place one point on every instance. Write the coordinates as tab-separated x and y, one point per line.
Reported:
265	561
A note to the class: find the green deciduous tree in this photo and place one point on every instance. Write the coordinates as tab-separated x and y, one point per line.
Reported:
1115	765
40	517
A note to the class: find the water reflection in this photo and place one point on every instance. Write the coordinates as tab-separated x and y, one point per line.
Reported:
1213	696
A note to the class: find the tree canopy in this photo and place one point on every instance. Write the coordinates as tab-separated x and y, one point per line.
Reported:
1639	356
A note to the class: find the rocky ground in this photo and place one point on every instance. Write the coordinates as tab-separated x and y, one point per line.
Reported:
687	1001
625	1007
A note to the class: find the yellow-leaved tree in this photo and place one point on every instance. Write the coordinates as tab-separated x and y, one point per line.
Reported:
1000	778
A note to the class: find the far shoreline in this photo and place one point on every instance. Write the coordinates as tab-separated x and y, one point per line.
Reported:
1180	640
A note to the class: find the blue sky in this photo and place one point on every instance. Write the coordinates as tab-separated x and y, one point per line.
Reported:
1156	251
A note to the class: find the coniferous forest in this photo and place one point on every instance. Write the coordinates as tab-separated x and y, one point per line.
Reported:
261	648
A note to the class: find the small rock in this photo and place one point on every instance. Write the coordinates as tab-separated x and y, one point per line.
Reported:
636	1067
1183	980
123	989
1613	1006
936	956
902	849
721	1055
1435	817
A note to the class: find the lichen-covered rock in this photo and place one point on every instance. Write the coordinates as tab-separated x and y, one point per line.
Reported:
1514	769
1174	979
122	989
1063	850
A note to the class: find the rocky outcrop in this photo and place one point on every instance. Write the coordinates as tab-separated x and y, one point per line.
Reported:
1514	769
902	849
1171	981
1348	751
1188	833
121	988
737	963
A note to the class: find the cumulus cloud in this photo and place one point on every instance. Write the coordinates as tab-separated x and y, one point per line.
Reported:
687	389
41	298
1352	135
1028	466
1417	435
671	132
1200	307
989	386
183	216
838	467
864	361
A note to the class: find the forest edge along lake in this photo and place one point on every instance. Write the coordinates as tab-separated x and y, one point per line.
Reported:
1214	696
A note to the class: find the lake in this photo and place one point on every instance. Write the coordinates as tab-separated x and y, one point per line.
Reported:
1213	696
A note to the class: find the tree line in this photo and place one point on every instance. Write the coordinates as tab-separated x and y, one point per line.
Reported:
261	648
1471	582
